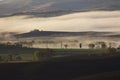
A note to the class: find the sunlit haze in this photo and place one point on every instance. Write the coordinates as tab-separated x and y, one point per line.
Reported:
82	21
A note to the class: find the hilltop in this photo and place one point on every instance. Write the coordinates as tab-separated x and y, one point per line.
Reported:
37	33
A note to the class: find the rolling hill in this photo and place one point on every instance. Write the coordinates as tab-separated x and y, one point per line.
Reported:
37	33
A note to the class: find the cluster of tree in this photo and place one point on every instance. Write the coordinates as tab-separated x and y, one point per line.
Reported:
109	49
97	45
10	57
10	45
43	54
114	50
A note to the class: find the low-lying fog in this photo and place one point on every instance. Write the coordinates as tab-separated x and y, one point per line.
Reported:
72	42
81	21
60	42
56	42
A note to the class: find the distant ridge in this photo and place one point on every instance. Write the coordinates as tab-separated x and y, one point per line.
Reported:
37	33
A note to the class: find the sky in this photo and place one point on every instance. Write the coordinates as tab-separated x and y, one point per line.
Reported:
106	20
81	21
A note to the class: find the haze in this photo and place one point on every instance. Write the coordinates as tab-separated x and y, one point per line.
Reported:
82	21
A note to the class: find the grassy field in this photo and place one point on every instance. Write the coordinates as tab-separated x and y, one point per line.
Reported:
78	51
114	75
28	53
67	68
67	64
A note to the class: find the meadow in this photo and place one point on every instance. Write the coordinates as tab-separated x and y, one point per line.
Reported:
28	53
63	68
66	64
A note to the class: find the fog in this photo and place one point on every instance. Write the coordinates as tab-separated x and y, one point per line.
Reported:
71	41
81	21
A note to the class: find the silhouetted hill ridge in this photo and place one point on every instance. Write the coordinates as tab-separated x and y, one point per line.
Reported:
37	33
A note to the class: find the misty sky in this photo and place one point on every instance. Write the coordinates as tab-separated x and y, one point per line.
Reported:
80	21
83	21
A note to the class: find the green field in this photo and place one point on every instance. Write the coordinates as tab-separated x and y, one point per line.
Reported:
67	68
66	64
27	53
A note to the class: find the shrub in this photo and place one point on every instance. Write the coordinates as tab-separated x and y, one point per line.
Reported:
91	46
111	50
43	54
103	45
66	46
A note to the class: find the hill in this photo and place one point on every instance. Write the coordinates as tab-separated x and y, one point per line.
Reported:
118	35
37	33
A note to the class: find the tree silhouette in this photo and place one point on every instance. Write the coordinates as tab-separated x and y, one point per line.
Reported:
112	50
80	45
118	47
103	45
91	46
43	54
66	46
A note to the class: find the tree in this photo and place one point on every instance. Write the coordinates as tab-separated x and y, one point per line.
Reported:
103	45
19	58
11	57
66	46
43	54
1	59
118	47
61	44
80	45
111	50
112	44
91	46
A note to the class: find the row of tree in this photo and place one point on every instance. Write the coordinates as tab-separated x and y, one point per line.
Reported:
10	45
30	44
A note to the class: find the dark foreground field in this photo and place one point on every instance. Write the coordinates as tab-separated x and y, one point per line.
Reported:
68	68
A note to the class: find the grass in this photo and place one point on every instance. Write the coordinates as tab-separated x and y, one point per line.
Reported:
17	51
27	53
75	66
78	51
114	75
66	68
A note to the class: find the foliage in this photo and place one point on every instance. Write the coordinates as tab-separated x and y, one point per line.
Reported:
80	45
118	47
103	45
91	46
66	46
43	54
9	45
111	50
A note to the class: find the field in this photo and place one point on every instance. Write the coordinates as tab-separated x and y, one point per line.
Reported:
28	53
67	68
66	64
